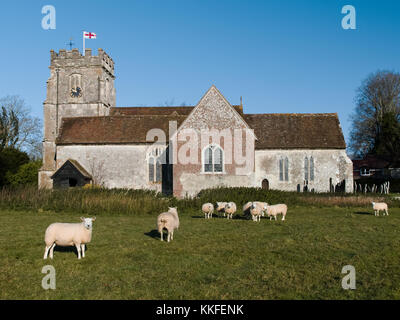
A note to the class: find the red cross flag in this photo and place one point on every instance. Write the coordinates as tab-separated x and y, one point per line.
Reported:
87	35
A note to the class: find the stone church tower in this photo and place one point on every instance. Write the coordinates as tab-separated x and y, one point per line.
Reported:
79	86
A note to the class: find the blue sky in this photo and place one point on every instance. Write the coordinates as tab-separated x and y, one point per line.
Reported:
282	56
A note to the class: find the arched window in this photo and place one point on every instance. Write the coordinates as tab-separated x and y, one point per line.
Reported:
213	159
155	165
158	170
75	81
312	169
284	169
151	169
306	169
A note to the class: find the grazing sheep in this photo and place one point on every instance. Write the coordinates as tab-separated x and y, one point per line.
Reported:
230	209
221	207
170	221
273	211
208	210
257	210
68	234
380	206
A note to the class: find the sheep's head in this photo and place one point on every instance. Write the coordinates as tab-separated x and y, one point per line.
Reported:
221	205
229	205
373	203
88	222
173	210
253	206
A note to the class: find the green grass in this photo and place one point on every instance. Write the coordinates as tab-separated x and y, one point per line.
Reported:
300	258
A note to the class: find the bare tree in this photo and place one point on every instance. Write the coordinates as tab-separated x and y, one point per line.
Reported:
29	136
9	129
378	96
97	171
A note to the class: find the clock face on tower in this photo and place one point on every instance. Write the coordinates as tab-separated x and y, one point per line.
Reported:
76	92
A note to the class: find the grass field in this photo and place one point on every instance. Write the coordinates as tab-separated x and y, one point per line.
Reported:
300	258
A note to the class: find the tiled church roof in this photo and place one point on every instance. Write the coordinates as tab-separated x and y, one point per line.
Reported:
113	129
296	131
274	131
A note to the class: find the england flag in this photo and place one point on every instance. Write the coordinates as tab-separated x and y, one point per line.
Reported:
89	35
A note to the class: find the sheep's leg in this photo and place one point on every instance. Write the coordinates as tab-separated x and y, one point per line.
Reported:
83	250
78	248
169	237
172	235
162	231
51	250
46	251
387	212
276	218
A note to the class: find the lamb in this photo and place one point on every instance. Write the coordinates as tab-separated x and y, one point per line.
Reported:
68	234
170	221
380	206
273	211
230	209
257	210
208	210
221	207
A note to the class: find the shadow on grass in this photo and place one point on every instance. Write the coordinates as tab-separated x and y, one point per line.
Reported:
362	212
68	249
153	234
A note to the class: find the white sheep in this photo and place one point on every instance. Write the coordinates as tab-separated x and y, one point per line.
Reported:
208	210
380	206
273	211
170	221
68	234
257	210
221	207
230	209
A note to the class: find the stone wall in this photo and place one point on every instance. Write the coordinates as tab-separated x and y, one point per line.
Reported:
328	164
115	166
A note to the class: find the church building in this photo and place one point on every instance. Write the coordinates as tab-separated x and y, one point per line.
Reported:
179	150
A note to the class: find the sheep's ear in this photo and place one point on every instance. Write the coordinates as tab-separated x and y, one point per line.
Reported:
82	219
94	218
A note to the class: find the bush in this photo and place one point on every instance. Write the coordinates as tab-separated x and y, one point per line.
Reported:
27	174
10	160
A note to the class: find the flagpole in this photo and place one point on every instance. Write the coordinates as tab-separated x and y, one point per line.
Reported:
83	35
